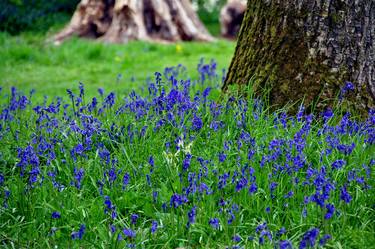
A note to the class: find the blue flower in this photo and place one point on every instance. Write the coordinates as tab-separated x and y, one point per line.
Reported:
125	180
186	162
330	211
253	188
338	164
134	218
222	157
236	238
285	244
242	183
344	195
324	239
129	233
191	216
56	215
196	123
78	175
214	222
177	200
309	238
154	226
79	233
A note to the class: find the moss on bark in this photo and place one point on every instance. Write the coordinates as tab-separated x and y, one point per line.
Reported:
278	53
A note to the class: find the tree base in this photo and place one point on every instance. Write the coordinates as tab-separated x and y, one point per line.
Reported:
123	20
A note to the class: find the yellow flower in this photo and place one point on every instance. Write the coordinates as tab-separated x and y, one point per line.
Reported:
178	48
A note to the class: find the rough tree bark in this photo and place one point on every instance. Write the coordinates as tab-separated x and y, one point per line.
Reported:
231	16
307	49
119	21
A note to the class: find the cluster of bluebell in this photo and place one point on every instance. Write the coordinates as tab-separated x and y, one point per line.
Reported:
175	164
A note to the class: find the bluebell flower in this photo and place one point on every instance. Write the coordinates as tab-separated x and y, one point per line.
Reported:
250	154
158	79
108	204
268	210
309	238
242	183
273	186
155	196
214	222
191	216
101	91
346	149
349	86
338	164
330	211
112	228
223	179
236	238
109	101
196	123
125	180
154	226
265	234
148	179
327	114
289	195
253	188
78	175
261	227
78	149
281	231
79	233
56	215
285	244
70	93
151	161
324	239
134	218
344	195
186	162
129	233
177	200
222	157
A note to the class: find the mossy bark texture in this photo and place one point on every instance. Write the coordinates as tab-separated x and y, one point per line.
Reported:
307	49
119	21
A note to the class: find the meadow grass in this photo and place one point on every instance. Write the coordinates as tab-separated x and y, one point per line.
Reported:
29	62
173	165
134	158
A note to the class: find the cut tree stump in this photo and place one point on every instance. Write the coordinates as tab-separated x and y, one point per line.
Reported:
119	21
231	16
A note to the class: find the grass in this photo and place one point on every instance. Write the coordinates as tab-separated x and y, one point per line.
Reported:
28	62
170	167
160	161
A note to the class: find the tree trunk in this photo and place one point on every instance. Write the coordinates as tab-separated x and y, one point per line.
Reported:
119	21
231	16
307	49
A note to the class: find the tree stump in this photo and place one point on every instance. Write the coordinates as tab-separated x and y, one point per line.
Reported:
119	21
231	16
307	50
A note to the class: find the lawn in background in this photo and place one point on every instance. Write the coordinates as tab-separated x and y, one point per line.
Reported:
29	62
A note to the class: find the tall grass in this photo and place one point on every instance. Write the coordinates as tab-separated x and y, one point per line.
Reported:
174	164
